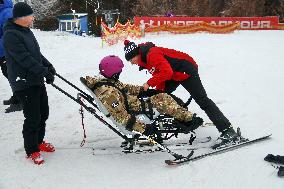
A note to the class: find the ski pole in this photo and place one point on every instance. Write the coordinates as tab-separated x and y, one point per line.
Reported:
64	92
89	98
187	102
92	111
175	155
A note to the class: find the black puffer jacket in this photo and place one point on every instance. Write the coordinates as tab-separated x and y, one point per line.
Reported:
26	65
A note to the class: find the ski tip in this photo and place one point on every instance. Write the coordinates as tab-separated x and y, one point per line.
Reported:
267	136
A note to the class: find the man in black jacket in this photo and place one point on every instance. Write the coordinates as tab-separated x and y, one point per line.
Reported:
27	68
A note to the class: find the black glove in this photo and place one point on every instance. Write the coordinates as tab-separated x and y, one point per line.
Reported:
49	78
150	130
52	70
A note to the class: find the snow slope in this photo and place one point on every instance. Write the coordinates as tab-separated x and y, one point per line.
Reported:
242	72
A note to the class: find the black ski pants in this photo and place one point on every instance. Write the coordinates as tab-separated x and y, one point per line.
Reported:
194	86
36	111
3	65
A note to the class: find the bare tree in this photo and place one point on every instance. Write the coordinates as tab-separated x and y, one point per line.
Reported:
274	7
244	8
47	10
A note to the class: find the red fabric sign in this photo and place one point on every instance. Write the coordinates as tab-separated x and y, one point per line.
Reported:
246	23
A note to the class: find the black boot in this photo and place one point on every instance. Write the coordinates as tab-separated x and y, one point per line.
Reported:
12	100
194	123
274	159
7	102
14	108
229	135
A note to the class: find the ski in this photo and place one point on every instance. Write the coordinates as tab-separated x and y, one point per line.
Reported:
146	147
120	151
196	141
215	152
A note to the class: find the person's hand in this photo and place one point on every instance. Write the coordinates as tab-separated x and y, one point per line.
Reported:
145	86
52	70
49	78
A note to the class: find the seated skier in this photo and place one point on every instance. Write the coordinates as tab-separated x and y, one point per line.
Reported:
122	102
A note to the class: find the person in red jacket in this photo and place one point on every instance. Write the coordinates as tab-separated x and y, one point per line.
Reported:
171	68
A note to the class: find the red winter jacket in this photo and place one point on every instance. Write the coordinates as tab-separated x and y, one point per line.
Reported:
165	64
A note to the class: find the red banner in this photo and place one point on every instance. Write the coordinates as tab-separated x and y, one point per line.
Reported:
246	23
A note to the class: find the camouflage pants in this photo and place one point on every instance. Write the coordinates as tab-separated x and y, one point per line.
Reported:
165	104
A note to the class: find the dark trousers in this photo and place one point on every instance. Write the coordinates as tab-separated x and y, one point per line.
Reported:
36	111
194	86
5	73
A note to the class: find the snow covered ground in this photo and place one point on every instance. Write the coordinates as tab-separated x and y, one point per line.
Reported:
242	72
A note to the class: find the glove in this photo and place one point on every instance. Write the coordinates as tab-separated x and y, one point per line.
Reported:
49	78
150	130
52	70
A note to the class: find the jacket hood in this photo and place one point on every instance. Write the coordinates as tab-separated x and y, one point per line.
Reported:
9	25
7	4
144	49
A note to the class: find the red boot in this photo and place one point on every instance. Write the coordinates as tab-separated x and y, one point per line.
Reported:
36	158
46	147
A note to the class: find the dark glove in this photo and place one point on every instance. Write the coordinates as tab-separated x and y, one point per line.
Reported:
52	70
150	130
148	93
49	78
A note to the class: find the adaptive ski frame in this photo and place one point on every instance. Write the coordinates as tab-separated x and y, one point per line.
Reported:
93	112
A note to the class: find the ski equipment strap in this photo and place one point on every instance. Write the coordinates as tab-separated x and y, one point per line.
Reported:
107	83
149	113
81	111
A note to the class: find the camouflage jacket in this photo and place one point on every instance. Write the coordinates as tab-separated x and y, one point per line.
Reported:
113	99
